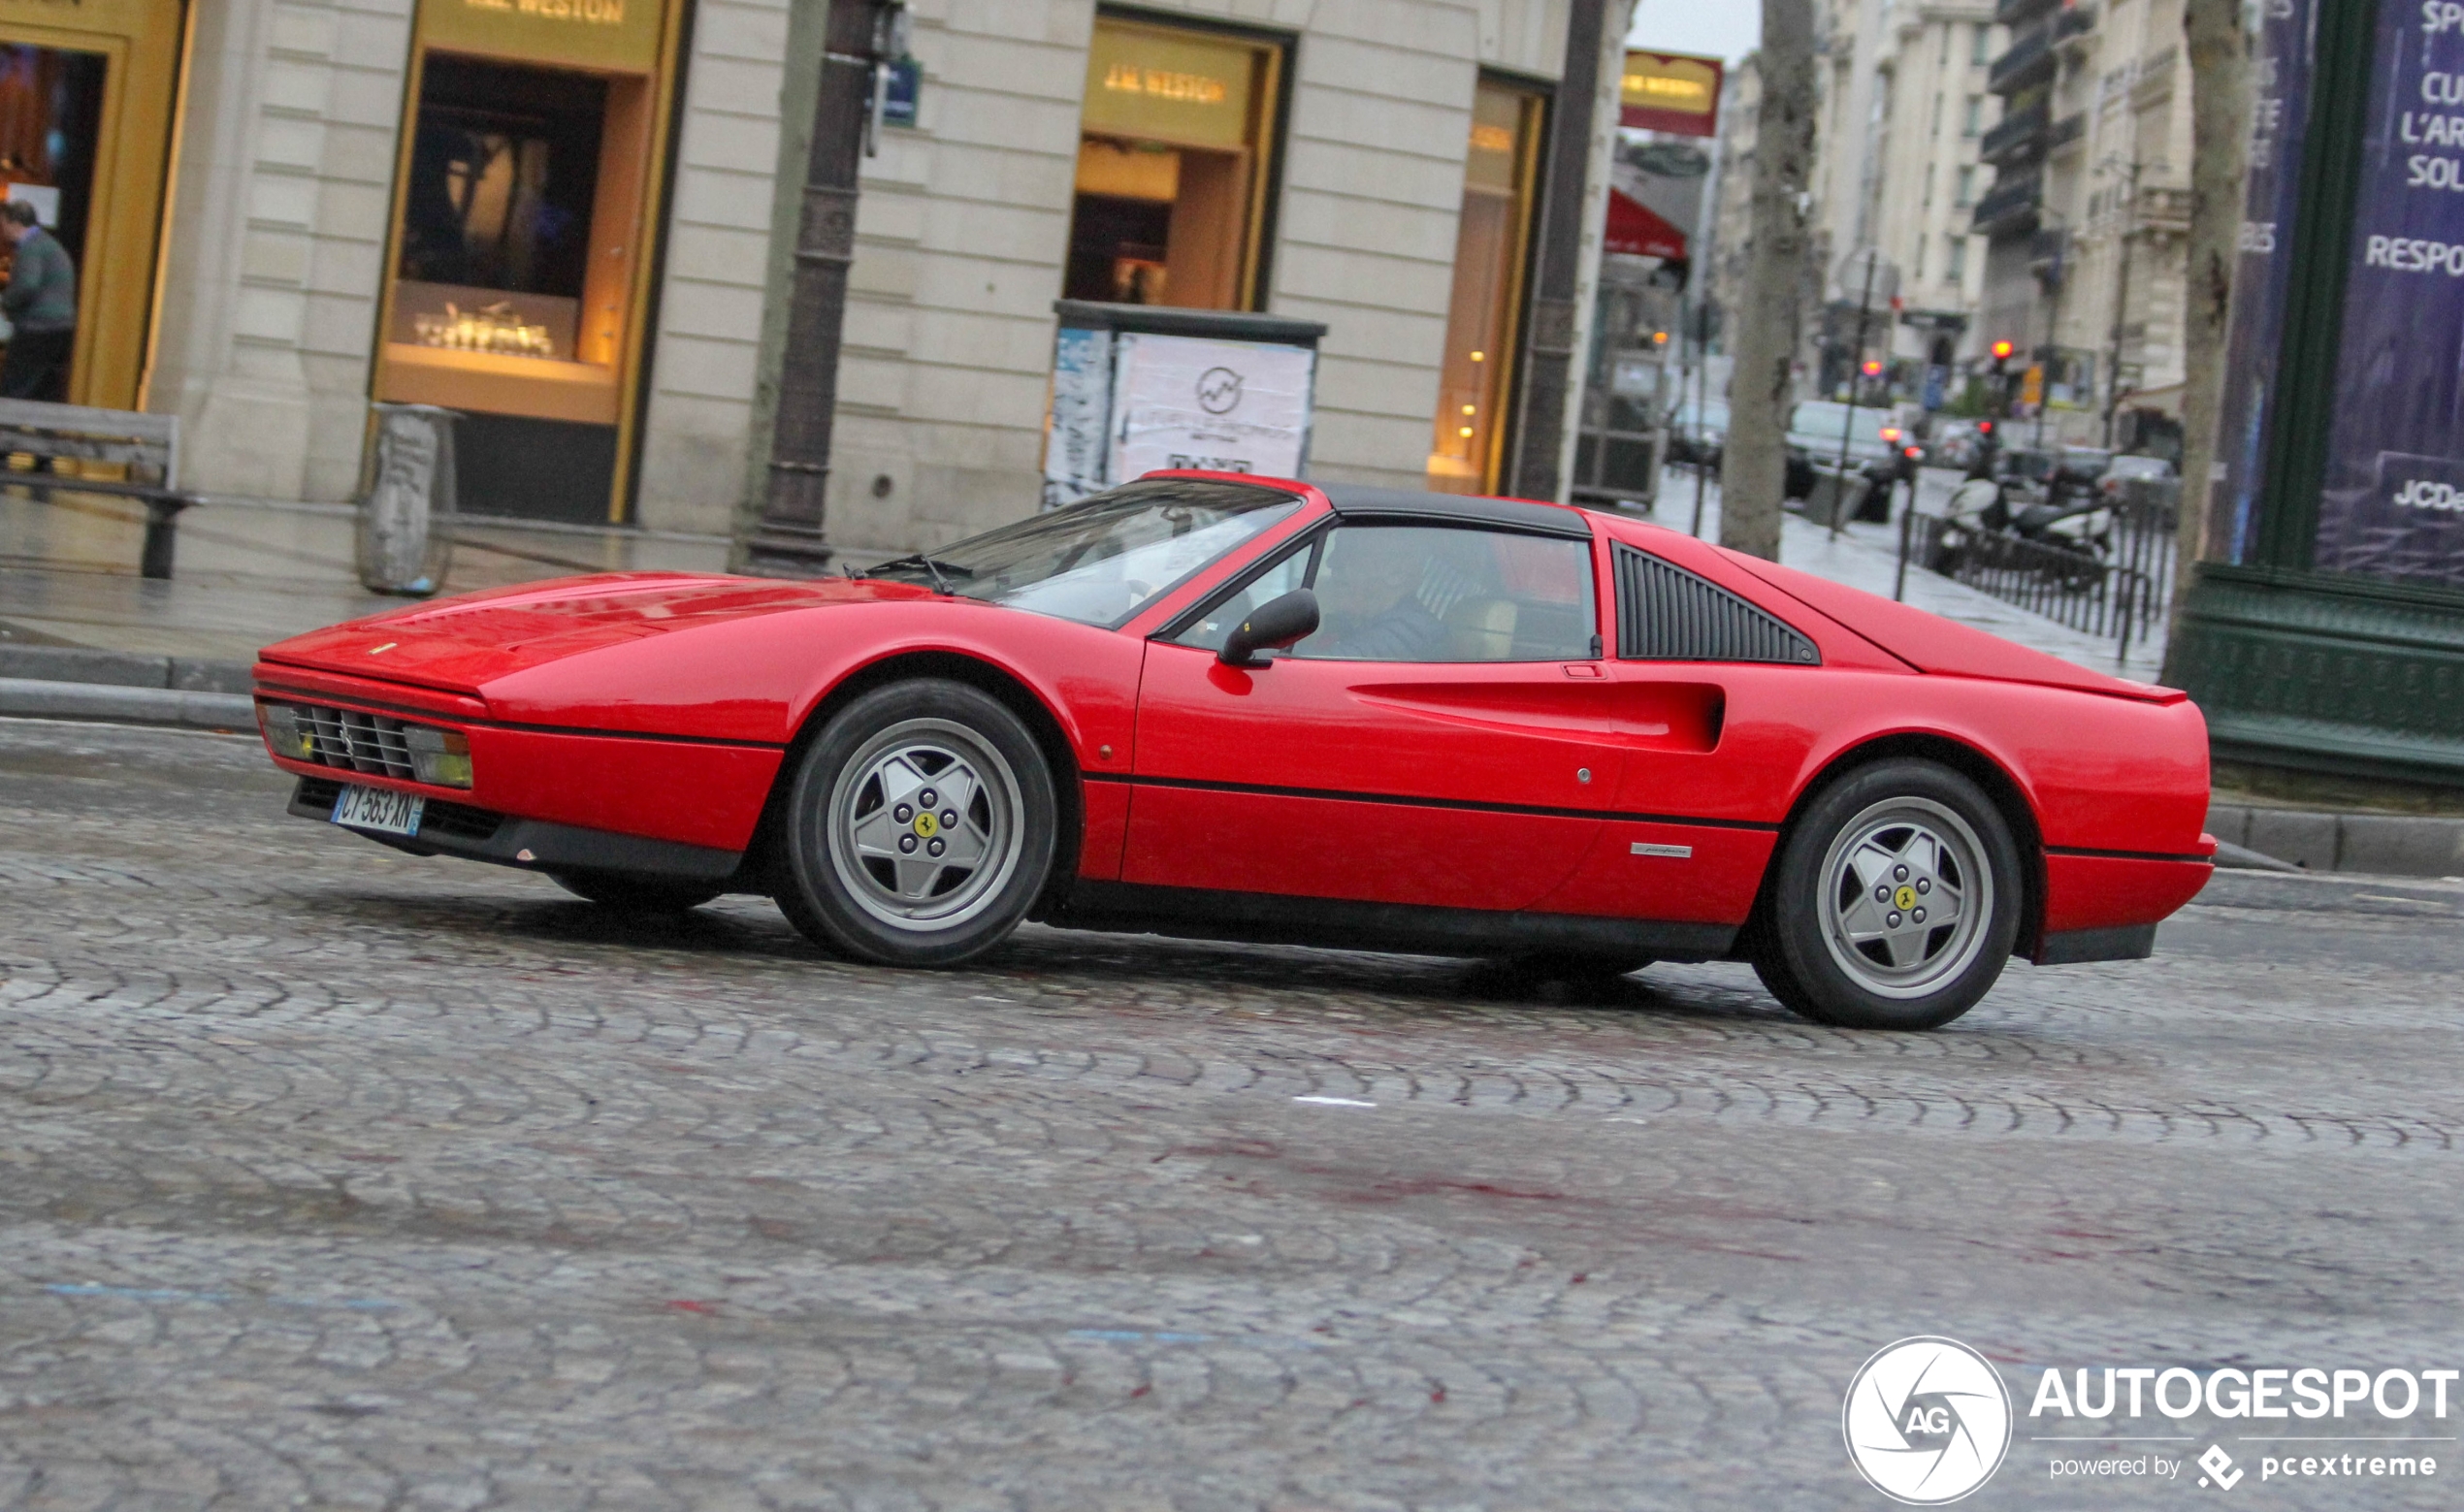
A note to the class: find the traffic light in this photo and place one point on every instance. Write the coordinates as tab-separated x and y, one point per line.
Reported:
1985	428
2003	354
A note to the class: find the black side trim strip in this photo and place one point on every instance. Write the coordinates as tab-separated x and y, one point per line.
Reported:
1339	795
2076	946
320	695
2129	855
552	848
1343	924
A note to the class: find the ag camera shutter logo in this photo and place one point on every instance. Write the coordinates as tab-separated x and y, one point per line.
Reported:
1927	1421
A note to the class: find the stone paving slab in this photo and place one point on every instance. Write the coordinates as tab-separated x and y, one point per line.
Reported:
336	1177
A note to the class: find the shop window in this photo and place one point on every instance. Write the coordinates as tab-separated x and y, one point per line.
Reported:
1175	154
520	264
1492	242
85	96
496	211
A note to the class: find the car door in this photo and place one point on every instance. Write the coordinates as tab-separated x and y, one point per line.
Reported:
1718	696
1443	740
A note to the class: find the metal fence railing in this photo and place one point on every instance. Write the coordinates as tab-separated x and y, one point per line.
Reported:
2119	585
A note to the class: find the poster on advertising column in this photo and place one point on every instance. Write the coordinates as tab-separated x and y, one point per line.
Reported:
2393	502
2280	68
1222	406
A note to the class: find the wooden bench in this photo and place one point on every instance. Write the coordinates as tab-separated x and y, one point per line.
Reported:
70	448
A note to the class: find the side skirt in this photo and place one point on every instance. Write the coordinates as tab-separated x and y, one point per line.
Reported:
1193	914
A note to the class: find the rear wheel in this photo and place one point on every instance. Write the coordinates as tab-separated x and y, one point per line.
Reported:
1896	902
635	895
919	828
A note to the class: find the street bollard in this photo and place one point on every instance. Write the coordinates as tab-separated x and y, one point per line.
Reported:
407	501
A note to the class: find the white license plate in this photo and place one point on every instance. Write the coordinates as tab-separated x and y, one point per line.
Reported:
385	812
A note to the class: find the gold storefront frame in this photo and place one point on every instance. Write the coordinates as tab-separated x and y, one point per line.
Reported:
464	32
142	42
1254	140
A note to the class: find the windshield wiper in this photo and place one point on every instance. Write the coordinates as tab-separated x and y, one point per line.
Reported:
937	570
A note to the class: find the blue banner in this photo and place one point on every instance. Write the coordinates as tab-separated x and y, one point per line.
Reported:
2394	504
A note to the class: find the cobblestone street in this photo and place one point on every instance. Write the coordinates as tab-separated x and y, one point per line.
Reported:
330	1176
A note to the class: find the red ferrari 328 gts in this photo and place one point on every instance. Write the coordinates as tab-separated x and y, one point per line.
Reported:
1245	708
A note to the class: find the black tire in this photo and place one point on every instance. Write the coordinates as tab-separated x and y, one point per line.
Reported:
843	885
1925	833
635	895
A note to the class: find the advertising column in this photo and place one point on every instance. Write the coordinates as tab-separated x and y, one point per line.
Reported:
2393	502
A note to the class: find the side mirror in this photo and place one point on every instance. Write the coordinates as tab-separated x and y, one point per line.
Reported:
1277	625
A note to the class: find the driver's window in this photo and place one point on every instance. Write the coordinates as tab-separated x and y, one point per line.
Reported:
1407	592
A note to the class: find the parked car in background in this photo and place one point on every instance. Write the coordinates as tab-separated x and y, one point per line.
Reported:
1953	444
2130	469
2078	467
1699	433
1814	431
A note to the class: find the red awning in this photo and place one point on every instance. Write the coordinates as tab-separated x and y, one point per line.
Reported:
1632	229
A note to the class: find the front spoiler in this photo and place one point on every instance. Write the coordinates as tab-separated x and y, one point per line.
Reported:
536	845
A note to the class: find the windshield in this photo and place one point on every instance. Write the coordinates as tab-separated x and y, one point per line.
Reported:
1817	417
1100	560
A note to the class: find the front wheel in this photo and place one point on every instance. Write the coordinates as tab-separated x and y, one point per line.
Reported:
919	828
1896	902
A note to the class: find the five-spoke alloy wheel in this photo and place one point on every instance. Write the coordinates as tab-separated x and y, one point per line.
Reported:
920	826
1895	900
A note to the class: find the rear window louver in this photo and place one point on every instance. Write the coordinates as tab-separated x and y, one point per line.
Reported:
1668	614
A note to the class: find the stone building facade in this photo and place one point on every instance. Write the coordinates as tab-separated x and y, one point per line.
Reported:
2088	215
572	219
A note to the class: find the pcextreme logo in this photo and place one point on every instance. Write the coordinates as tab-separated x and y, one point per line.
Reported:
1927	1421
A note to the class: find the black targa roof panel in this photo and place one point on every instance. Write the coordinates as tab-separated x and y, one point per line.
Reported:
1358	501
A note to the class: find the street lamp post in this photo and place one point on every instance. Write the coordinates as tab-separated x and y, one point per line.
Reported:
861	37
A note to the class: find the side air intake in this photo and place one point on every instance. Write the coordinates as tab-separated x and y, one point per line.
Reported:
1668	614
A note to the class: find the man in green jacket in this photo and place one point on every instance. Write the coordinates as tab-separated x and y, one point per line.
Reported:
40	304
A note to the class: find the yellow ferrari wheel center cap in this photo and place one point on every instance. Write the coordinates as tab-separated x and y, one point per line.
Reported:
1905	898
927	825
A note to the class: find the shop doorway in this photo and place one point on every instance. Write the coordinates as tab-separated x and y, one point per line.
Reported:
527	202
1492	246
85	124
1174	159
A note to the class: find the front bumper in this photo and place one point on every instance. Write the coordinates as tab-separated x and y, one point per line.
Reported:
477	834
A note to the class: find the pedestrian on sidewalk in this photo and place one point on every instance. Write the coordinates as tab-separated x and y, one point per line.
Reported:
40	304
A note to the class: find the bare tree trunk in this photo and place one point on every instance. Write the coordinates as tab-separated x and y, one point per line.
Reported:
2219	50
1754	473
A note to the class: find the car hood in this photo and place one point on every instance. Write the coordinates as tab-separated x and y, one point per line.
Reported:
1930	643
466	642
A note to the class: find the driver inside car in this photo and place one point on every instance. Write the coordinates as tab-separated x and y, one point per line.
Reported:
1370	602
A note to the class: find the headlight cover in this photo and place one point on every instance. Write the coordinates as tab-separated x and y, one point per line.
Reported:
285	733
440	758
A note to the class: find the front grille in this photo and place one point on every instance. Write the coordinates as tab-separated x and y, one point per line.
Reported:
457	821
355	742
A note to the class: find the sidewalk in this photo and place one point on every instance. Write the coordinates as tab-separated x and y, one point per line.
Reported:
1868	557
250	573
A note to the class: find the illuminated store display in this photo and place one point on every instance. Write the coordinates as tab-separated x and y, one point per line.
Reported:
523	218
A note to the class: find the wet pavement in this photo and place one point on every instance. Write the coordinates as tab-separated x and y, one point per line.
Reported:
334	1178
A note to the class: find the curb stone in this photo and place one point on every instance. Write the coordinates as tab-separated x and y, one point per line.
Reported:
121	669
2387	845
42	699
